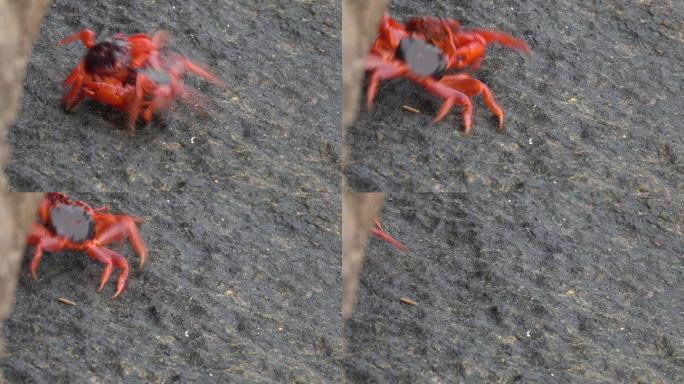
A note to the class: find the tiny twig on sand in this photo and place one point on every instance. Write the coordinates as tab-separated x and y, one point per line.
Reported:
64	301
410	109
407	301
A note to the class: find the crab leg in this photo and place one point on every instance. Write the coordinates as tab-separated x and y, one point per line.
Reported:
110	259
42	240
473	87
75	94
76	72
471	50
123	228
470	53
182	64
43	214
504	39
86	36
50	244
451	97
142	85
390	30
380	71
162	98
378	232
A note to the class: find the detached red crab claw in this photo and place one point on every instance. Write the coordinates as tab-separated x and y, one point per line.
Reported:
378	232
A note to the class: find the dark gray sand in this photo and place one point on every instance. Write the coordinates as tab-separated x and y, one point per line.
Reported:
276	125
236	287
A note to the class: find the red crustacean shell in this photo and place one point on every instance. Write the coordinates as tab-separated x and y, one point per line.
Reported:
424	50
63	224
129	73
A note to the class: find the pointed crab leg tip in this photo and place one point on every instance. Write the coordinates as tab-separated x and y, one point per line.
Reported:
33	276
399	247
119	289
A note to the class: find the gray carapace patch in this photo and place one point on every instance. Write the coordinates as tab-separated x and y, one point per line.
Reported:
423	58
72	222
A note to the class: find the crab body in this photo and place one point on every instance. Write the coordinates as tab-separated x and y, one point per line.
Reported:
72	222
112	61
424	50
63	224
130	74
422	58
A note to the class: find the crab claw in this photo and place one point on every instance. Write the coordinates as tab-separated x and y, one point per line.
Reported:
86	36
504	39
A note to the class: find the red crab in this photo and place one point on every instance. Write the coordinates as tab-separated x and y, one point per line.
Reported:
378	232
424	50
129	73
156	89
73	225
114	61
